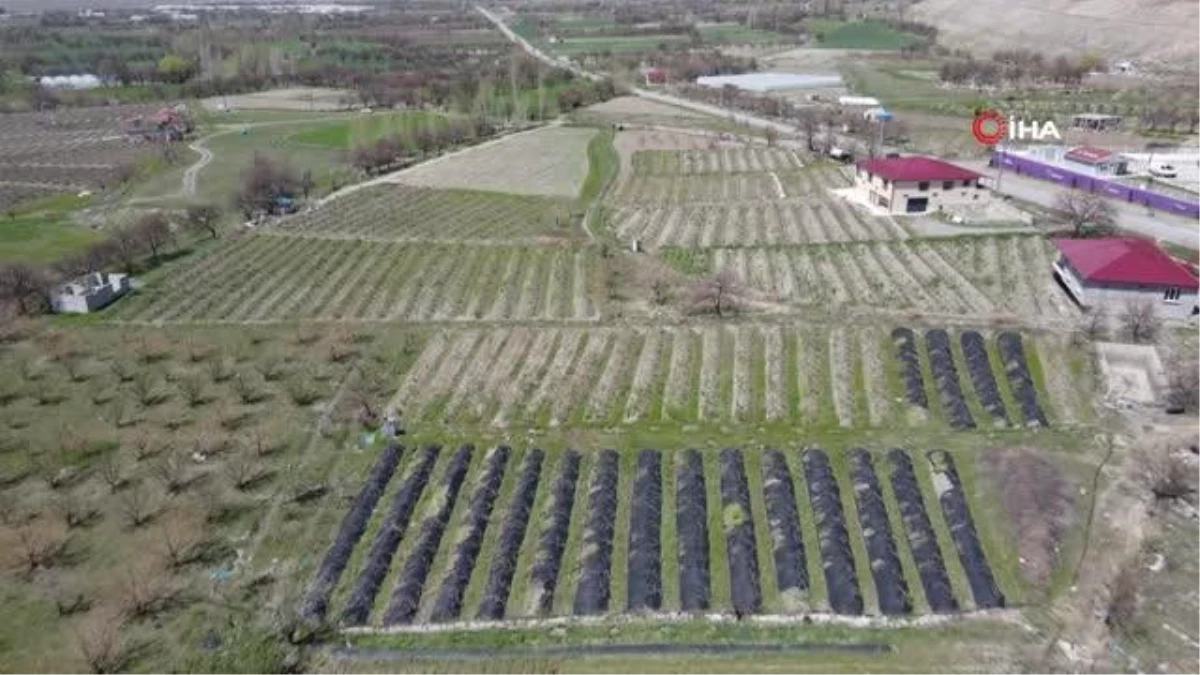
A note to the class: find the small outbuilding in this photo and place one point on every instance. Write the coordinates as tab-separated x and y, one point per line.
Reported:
908	185
1096	161
1114	272
89	292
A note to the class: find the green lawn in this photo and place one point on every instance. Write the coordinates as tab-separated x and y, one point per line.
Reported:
859	35
737	34
42	231
349	133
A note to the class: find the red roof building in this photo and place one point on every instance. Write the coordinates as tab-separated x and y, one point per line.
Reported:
1097	159
917	185
1118	270
915	169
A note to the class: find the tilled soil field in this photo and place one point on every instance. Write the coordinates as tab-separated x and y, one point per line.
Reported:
447	505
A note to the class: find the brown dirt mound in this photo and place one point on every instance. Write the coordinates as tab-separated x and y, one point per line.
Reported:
1039	500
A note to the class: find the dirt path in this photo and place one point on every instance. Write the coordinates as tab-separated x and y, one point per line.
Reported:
188	189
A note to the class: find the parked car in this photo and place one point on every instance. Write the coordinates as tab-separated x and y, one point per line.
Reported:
1163	171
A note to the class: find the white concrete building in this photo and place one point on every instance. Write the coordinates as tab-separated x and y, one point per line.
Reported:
903	185
1116	271
89	292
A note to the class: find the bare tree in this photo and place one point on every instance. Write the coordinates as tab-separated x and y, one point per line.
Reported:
100	645
75	511
1183	387
155	232
204	218
1140	320
40	545
1166	469
809	121
1087	213
1093	324
136	506
173	472
720	294
28	288
111	473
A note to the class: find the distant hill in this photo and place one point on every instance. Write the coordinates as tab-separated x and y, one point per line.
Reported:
1155	33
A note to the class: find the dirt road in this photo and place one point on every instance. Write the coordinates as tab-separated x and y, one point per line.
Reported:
1156	224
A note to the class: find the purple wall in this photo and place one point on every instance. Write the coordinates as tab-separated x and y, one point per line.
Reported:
1129	193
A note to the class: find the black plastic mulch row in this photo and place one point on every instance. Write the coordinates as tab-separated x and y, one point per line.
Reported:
552	540
448	602
1012	351
779	495
980	368
837	558
512	534
922	540
406	596
354	523
391	531
945	375
910	367
962	531
890	586
644	589
691	532
740	545
592	592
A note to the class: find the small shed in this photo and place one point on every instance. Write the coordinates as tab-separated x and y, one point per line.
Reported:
1097	161
89	292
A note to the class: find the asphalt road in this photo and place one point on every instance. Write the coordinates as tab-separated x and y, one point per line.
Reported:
1157	224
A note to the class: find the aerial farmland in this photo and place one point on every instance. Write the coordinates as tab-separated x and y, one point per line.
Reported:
540	373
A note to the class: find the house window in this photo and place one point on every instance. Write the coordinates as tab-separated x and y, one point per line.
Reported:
948	185
923	186
1171	295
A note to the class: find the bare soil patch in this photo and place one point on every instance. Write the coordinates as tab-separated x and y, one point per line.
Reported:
293	98
549	161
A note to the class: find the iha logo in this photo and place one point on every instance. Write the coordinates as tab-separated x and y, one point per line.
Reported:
990	127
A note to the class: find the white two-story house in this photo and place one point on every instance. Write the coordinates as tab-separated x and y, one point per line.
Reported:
918	184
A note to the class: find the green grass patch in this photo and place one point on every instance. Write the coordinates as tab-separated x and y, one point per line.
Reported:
669	543
690	261
840	461
603	163
764	545
42	231
518	594
619	564
837	34
718	561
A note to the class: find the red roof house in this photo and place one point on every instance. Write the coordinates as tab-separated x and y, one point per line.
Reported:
1125	260
1088	155
1115	271
915	169
906	185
